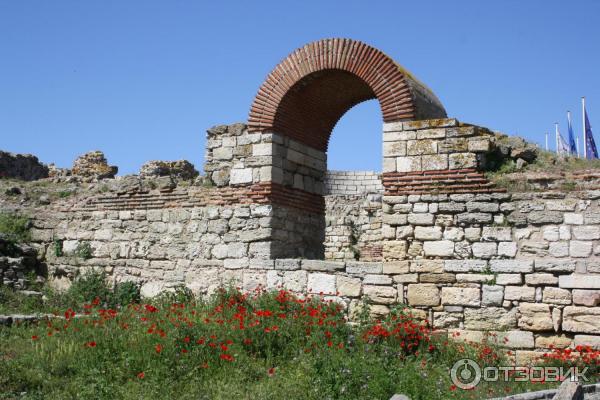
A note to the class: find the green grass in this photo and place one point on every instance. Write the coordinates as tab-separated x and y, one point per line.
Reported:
259	346
14	227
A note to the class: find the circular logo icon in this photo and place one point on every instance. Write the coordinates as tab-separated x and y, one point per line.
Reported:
465	374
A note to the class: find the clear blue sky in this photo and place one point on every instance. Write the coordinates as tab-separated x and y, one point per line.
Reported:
143	80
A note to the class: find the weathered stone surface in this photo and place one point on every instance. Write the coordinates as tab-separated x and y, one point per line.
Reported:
93	165
587	340
579	281
426	294
545	217
437	278
579	248
347	286
515	339
465	265
511	266
492	295
484	250
395	267
361	268
440	248
457	296
490	318
321	283
520	293
433	266
554	295
557	342
428	233
581	319
540	278
590	298
535	317
380	294
555	265
180	169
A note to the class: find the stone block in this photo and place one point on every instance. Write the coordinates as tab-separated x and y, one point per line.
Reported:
420	147
490	318
553	342
426	294
406	278
295	281
428	232
586	232
363	267
579	281
496	233
394	149
458	296
380	294
395	267
558	249
440	248
573	219
287	264
444	320
484	250
519	293
535	317
348	286
507	249
481	206
587	340
434	162
545	217
408	164
462	161
590	298
320	265
581	319
465	265
394	250
474	218
432	266
474	278
509	279
437	278
540	279
371	279
511	266
321	283
515	339
422	219
553	295
492	295
555	265
240	176
580	249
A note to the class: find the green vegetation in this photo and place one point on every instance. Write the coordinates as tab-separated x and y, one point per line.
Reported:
263	345
84	250
14	227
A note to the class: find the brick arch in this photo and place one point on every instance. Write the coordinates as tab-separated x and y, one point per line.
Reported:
311	89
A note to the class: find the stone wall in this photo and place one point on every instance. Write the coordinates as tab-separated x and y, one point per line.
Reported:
353	227
21	166
352	183
467	255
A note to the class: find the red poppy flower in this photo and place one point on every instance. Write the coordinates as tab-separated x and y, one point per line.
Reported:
34	337
226	357
141	375
158	348
91	344
271	371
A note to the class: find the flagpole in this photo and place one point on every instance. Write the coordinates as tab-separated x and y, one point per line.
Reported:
570	129
556	135
577	140
583	124
546	141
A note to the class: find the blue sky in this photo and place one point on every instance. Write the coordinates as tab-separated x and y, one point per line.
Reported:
143	80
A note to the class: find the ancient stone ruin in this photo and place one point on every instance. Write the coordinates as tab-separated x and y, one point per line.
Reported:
431	231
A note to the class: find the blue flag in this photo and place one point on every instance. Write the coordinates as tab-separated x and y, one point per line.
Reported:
590	144
572	145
